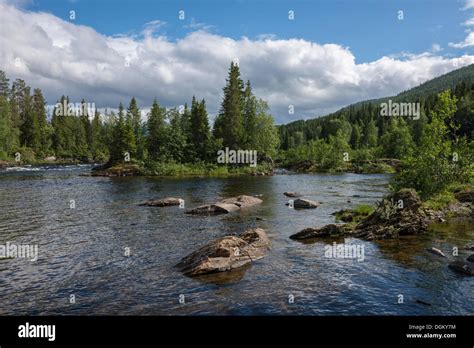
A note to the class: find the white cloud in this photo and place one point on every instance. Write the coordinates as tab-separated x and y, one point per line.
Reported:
468	4
63	58
468	41
436	48
469	22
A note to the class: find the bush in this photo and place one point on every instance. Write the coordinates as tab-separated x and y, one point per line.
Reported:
442	158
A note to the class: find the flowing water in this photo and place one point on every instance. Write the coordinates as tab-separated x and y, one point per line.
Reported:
83	225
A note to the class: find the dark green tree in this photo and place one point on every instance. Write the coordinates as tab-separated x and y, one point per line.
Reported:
228	125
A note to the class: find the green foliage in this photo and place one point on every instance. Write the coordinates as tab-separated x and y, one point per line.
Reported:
440	200
138	139
171	168
9	135
364	209
156	125
229	124
442	157
200	137
397	142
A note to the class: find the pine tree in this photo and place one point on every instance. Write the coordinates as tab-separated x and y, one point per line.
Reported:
4	85
19	104
355	136
229	123
200	136
249	117
157	132
134	114
9	135
176	139
370	134
44	129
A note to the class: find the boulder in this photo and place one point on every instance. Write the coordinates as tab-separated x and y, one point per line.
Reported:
292	194
389	220
226	206
301	203
164	202
470	258
50	159
325	231
469	247
462	267
226	253
465	196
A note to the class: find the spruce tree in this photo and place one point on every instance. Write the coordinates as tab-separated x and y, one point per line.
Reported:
228	125
134	114
200	136
249	117
4	85
156	125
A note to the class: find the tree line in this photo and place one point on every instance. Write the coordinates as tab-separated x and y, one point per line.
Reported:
181	134
361	131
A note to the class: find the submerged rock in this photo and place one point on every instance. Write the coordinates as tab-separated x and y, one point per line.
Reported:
301	203
470	258
226	206
227	253
462	267
325	231
164	202
436	251
292	194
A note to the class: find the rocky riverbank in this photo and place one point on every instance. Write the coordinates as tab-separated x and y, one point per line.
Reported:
402	213
377	166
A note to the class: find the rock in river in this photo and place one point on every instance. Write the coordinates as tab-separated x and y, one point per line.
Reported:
164	202
326	231
292	194
436	251
226	253
226	206
301	203
462	267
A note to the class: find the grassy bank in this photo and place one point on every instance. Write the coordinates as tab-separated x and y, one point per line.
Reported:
180	169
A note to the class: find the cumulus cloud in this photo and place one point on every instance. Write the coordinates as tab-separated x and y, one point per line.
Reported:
468	41
468	4
64	58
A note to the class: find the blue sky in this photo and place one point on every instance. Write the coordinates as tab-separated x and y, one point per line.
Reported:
369	27
334	52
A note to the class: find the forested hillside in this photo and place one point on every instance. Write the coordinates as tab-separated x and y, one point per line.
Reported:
361	130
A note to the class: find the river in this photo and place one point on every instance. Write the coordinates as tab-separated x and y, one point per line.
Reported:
84	226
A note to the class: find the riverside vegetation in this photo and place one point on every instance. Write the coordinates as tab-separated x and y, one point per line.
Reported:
174	141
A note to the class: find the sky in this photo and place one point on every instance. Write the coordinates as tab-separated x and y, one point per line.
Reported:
312	57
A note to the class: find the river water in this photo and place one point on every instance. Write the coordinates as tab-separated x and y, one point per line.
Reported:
84	226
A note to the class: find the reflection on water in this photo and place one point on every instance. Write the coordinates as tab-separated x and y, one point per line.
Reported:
82	250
